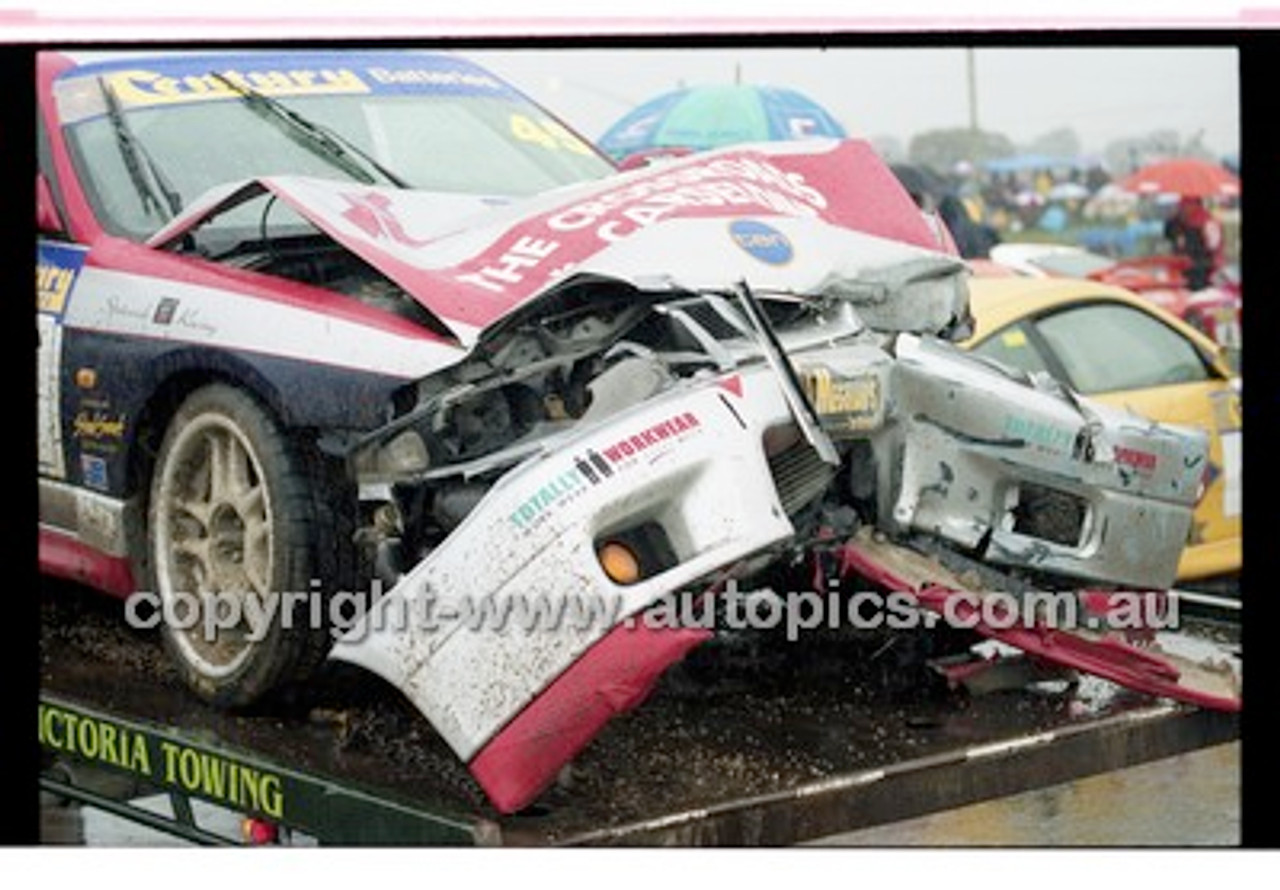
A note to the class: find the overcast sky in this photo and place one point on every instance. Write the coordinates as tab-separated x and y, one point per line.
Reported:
1103	93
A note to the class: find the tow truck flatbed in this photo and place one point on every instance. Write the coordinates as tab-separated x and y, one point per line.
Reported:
741	745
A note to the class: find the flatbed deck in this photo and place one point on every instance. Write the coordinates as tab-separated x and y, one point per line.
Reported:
746	743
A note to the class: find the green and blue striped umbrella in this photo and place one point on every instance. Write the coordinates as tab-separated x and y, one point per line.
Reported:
709	117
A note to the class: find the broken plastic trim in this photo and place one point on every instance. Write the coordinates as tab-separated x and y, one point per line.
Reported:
805	414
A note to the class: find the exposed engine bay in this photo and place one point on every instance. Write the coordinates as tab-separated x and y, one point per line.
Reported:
603	347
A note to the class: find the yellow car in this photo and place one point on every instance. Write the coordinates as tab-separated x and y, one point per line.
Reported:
1113	346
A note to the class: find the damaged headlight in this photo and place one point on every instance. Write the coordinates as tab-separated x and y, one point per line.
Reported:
403	455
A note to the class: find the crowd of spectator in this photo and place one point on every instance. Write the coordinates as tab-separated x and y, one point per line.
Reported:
1073	200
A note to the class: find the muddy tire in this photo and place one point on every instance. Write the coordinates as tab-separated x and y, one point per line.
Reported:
237	511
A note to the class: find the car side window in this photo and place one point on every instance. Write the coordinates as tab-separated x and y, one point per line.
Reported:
1011	346
1106	347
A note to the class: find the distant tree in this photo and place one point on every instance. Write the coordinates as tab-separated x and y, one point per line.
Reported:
1126	155
1165	143
1063	142
1195	148
943	149
1123	156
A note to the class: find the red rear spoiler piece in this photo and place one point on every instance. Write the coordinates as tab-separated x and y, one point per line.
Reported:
614	675
898	569
1146	273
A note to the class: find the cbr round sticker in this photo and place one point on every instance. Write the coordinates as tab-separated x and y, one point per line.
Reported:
763	242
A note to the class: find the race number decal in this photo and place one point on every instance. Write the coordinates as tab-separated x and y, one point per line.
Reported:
547	133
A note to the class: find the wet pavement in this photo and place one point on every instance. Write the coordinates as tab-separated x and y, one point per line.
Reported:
1191	800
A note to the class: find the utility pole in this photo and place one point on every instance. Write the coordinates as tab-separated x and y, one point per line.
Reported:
972	76
973	89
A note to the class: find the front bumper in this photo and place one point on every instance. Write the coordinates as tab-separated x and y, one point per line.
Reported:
690	463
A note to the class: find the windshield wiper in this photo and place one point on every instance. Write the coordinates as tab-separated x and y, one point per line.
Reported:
135	156
322	141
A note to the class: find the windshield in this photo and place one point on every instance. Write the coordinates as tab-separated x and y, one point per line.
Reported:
436	123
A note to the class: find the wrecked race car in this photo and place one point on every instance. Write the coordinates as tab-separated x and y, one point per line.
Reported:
471	385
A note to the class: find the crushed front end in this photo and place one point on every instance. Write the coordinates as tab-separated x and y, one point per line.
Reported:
621	441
